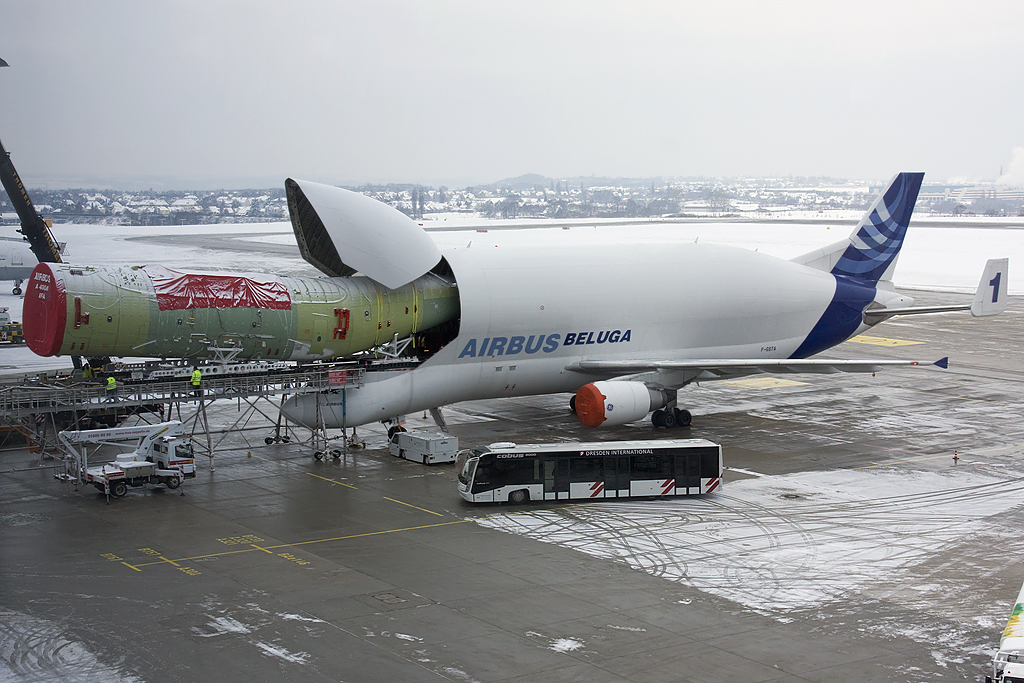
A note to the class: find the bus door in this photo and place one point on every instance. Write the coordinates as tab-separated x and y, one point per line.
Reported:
556	478
688	472
482	486
616	477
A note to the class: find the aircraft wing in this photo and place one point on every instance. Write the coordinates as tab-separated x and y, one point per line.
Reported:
711	368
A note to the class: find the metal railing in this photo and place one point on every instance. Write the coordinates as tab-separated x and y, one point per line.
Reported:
24	397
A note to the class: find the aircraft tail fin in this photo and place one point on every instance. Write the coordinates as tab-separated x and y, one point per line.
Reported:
990	299
869	254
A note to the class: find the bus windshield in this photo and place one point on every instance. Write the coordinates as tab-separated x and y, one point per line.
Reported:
468	470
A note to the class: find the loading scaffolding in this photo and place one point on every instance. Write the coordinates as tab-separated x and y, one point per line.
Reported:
41	406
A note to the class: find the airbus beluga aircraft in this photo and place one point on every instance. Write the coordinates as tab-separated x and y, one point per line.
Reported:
623	326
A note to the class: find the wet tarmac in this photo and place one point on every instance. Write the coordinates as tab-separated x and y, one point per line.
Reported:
847	545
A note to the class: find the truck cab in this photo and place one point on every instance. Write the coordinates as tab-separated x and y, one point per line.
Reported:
1007	667
173	452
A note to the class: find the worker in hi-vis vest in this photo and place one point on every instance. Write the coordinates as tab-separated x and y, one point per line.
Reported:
197	378
111	389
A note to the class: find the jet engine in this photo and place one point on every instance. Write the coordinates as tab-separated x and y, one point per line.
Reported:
607	404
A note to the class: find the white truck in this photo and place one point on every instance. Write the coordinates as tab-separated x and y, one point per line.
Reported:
425	447
1008	664
161	454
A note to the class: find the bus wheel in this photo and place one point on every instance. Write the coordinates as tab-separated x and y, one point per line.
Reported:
683	418
520	496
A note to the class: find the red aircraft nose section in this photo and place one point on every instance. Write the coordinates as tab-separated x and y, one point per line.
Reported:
45	313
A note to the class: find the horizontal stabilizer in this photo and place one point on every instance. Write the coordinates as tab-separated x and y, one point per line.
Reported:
990	299
342	232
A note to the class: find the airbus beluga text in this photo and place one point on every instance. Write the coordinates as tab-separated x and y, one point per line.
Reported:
624	326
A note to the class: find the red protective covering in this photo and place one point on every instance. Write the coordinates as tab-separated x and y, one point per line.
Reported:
176	291
45	311
590	405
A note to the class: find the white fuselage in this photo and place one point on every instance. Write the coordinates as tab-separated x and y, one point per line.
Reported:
16	259
529	312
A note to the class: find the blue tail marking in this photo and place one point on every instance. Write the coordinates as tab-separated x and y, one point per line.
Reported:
877	241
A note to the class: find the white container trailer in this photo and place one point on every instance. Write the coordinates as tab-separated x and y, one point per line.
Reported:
425	447
1008	664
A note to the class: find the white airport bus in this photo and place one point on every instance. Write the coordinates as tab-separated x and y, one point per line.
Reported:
604	469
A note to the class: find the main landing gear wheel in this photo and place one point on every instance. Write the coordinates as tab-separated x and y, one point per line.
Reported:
16	291
276	439
670	418
572	404
394	430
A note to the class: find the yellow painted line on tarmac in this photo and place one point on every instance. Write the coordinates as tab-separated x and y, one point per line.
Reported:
333	481
881	341
130	566
371	533
200	557
764	383
413	506
270	548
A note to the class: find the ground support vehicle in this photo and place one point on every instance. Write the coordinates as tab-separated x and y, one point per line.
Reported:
162	454
1008	664
603	469
113	479
10	331
425	447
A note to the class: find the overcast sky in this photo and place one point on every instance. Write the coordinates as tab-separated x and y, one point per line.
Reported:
218	93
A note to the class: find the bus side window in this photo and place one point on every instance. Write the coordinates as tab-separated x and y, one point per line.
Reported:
585	469
549	475
709	462
651	467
